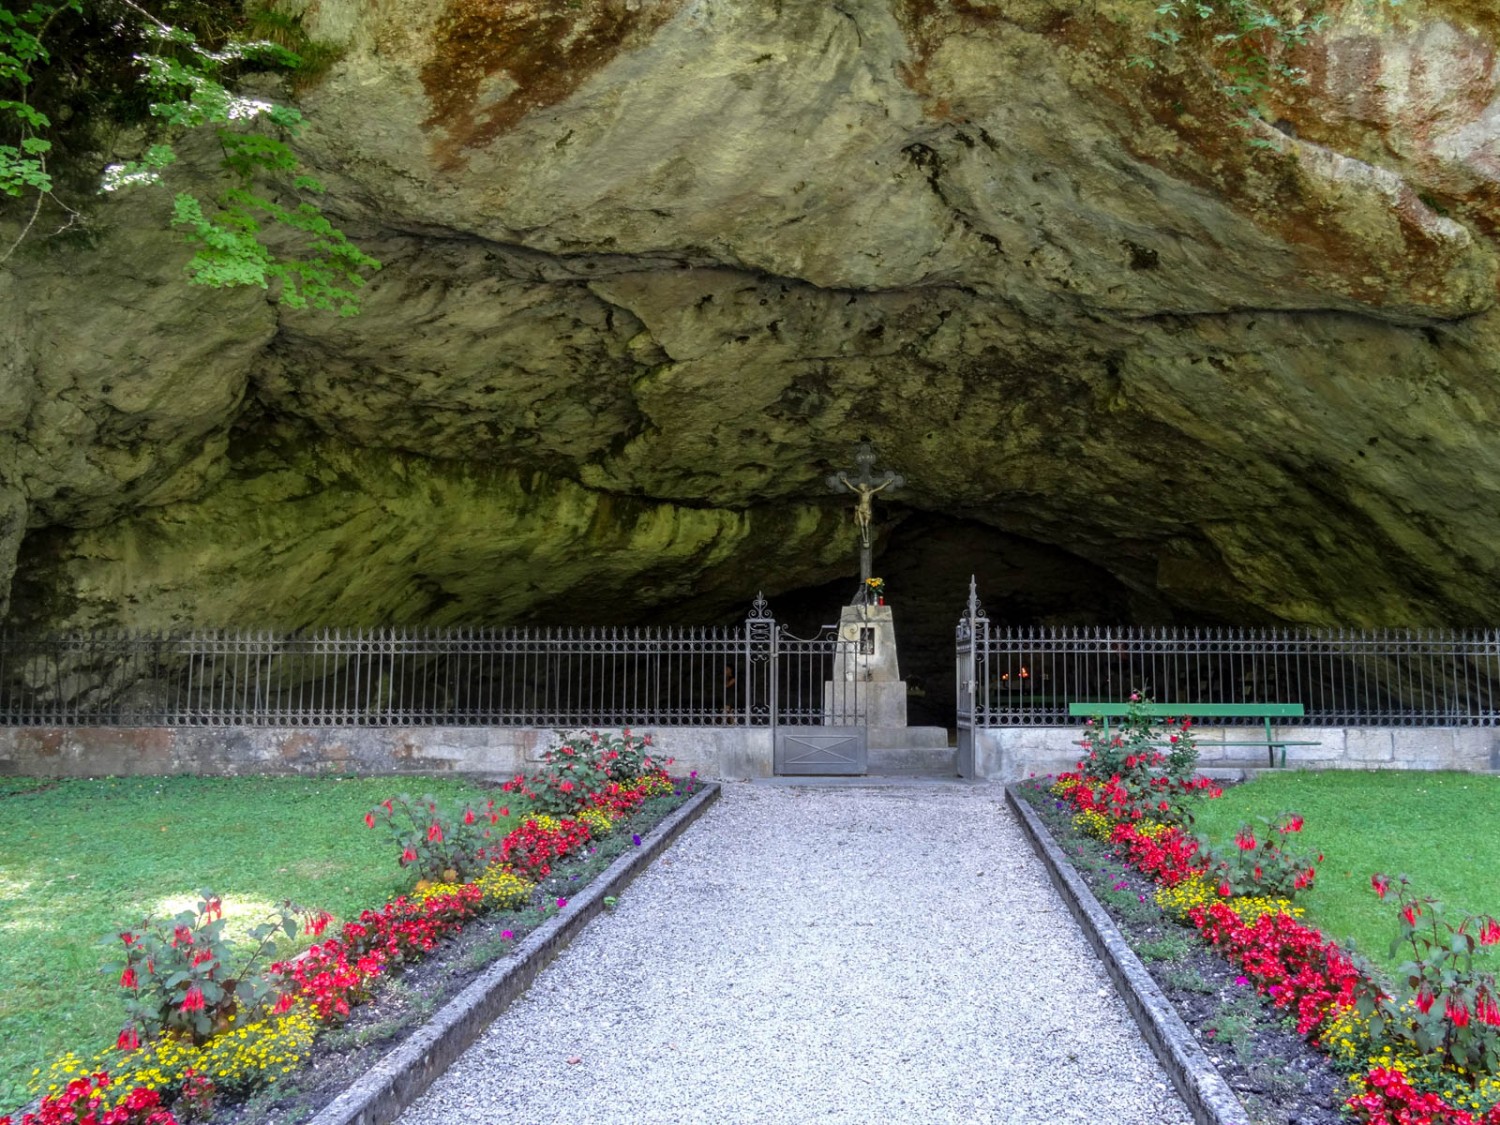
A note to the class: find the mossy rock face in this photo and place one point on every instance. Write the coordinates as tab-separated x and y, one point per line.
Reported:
631	318
306	533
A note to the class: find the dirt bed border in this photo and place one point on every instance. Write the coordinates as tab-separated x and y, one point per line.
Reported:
398	1079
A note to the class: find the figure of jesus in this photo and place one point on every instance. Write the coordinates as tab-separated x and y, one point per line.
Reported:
864	484
863	508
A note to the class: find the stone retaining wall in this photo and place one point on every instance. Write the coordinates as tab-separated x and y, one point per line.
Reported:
715	752
727	753
1012	753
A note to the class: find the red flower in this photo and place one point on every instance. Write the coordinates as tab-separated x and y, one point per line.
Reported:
128	1040
468	816
127	978
409	855
1381	884
1489	933
1292	825
283	1003
193	1001
1225	890
128	938
1410	912
181	935
504	811
1245	840
1425	1000
435	833
1486	1010
386	804
1456	1010
369	820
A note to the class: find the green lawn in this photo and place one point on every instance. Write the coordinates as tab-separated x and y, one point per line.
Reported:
82	860
1440	829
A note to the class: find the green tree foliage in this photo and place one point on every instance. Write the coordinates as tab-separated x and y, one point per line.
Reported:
70	70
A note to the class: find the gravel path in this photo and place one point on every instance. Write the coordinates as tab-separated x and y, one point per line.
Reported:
822	954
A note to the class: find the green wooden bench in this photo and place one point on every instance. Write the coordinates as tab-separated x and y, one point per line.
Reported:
1264	711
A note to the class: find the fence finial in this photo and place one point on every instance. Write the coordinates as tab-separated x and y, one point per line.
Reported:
760	609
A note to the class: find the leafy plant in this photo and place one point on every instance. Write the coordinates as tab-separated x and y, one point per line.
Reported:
187	86
1260	863
442	843
182	975
1247	41
1445	1006
581	766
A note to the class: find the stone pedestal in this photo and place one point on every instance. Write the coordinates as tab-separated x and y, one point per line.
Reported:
866	686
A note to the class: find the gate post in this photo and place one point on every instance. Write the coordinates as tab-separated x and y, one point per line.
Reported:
971	674
760	652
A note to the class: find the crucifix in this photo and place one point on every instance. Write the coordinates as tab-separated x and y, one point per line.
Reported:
865	484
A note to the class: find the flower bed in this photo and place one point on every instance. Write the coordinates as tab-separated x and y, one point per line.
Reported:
199	1033
1423	1051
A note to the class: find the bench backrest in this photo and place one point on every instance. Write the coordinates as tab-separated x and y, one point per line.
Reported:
1190	710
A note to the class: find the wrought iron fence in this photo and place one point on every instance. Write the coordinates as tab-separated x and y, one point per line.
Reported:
1027	676
754	674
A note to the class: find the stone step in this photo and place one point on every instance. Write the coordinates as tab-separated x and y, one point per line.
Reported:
912	760
898	738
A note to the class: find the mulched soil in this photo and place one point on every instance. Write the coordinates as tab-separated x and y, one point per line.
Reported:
1278	1077
406	1000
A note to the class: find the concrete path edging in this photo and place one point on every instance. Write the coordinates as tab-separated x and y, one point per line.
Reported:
381	1093
1198	1081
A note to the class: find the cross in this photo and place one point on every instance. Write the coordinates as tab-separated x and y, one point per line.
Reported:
865	485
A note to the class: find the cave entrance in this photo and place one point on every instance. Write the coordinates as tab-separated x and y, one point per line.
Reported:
927	563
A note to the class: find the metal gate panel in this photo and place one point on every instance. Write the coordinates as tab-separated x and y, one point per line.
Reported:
827	751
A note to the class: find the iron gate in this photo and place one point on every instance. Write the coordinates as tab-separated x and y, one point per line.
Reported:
818	707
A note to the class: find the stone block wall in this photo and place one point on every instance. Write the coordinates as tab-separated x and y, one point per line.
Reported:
714	752
1013	753
718	753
